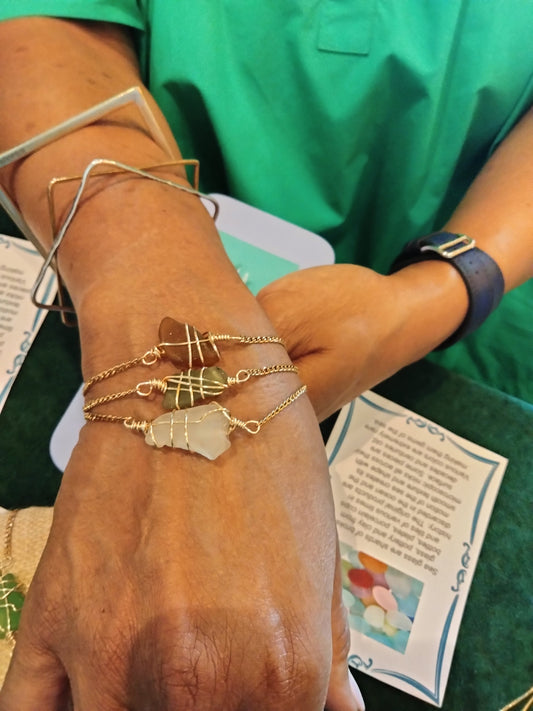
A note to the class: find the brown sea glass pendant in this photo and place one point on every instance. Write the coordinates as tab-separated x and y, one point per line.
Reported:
185	346
191	386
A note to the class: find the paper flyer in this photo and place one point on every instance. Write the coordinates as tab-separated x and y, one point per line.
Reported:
20	320
412	502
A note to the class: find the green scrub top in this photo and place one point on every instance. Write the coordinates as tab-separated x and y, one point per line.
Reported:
362	120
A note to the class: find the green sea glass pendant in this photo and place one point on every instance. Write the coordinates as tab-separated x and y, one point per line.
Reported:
186	389
11	602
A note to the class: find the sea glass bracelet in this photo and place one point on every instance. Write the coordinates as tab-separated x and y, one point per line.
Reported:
191	386
204	429
184	346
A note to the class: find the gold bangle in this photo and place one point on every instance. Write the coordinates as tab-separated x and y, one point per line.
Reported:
110	167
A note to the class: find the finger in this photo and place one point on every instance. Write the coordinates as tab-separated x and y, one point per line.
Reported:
343	692
35	680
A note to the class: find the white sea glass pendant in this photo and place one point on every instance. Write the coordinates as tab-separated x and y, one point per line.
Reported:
204	430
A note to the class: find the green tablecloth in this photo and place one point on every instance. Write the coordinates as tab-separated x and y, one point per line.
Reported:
493	661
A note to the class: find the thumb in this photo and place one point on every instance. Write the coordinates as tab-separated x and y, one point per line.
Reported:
343	692
35	680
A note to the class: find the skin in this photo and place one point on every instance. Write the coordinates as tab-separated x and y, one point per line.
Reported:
179	610
167	580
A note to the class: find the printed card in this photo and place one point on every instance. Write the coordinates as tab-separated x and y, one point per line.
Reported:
20	320
413	502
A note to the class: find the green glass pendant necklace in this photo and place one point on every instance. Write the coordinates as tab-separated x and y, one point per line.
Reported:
12	592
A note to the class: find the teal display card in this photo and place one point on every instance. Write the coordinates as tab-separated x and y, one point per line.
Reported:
256	266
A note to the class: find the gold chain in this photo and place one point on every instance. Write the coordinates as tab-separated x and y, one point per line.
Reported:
247	340
100	417
149	358
243	375
253	426
8	539
108	398
527	697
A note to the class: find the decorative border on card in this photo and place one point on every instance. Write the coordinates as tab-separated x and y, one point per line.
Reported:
355	660
18	244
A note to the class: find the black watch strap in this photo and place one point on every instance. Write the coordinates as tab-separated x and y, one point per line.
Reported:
482	276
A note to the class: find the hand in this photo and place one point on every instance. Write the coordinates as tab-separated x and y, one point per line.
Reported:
337	322
347	327
190	584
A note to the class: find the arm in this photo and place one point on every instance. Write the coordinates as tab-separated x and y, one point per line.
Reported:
162	584
387	322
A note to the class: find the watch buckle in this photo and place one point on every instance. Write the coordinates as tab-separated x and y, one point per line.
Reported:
452	248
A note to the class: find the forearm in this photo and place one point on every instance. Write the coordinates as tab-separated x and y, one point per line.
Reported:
54	69
497	212
136	250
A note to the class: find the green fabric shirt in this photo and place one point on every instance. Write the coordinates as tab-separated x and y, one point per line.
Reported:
362	120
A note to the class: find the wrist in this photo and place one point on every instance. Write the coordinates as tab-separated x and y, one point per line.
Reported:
127	268
114	329
133	395
480	274
432	301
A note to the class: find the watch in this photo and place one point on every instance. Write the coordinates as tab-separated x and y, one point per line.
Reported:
480	273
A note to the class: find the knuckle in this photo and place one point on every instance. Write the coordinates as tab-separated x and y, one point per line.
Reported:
193	661
238	660
185	660
296	668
